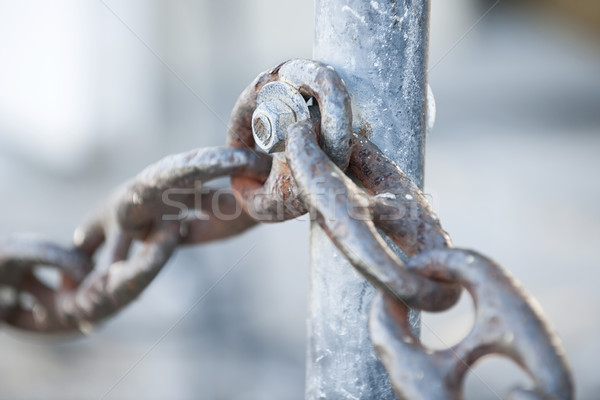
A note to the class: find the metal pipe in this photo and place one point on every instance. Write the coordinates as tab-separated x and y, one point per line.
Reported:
380	50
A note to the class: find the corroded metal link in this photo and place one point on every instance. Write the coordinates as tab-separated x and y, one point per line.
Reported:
19	255
508	322
320	81
104	292
277	198
221	217
119	277
345	213
261	198
153	192
399	207
18	252
312	79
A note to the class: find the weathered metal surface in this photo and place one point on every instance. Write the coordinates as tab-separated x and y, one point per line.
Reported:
350	216
166	205
18	253
149	209
312	79
322	82
400	208
379	48
176	178
507	322
277	199
345	212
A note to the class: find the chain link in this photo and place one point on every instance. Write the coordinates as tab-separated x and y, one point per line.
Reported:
167	205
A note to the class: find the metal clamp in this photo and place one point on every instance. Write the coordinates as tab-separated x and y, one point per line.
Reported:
263	113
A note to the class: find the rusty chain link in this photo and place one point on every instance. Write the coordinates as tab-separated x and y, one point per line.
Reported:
299	112
135	212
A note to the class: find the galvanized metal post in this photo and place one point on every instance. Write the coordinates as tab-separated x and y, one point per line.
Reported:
380	50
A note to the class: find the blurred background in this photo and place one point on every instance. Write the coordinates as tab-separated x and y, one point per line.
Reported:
92	92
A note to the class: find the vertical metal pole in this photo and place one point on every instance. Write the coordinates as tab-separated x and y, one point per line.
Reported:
380	50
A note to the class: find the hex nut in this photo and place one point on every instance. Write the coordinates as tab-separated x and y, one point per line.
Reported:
269	125
279	104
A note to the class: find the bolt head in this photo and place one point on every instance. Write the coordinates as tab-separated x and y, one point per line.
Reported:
262	127
269	125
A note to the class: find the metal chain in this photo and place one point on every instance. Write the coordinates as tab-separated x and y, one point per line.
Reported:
301	113
138	211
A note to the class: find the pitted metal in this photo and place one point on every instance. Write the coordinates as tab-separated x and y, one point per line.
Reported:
323	83
345	212
20	251
507	322
146	209
178	178
396	206
19	256
399	208
167	205
277	198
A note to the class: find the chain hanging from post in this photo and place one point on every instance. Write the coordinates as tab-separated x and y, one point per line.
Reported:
300	113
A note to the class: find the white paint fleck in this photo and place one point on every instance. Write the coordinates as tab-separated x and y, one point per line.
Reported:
408	197
353	12
85	327
137	199
375	5
40	315
431	109
78	237
470	259
390	196
349	395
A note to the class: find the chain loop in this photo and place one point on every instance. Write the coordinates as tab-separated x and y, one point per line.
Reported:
517	331
400	209
277	199
177	179
19	255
